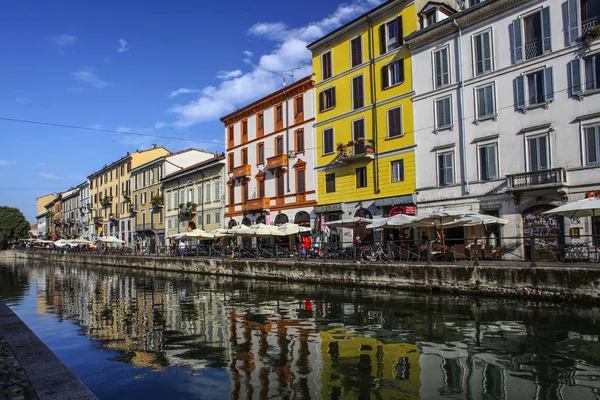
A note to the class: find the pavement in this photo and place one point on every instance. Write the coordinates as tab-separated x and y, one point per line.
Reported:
28	369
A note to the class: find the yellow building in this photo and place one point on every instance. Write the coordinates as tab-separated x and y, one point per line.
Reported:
110	195
54	217
365	139
356	367
42	214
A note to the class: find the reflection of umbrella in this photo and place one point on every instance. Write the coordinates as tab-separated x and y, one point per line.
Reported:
111	239
589	207
475	220
292	229
265	230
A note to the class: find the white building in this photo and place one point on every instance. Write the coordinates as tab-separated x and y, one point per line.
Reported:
271	158
70	210
82	218
504	122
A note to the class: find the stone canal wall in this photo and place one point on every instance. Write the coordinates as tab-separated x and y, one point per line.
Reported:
567	282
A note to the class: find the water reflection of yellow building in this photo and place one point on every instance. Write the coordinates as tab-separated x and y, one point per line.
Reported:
358	367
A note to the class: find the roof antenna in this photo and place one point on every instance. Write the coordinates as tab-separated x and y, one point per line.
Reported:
290	73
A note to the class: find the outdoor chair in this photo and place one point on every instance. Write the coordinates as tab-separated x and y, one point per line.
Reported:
459	252
489	252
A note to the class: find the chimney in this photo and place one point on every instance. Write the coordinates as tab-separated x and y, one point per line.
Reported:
153	145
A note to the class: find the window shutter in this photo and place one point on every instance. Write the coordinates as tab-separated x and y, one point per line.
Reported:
517	42
548	84
487	51
400	34
382	47
574	68
519	92
573	20
384	77
333	96
447	108
546	39
321	101
401	69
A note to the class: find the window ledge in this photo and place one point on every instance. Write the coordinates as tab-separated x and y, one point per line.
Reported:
545	106
326	109
394	137
303	152
445	128
488	118
394	85
591	92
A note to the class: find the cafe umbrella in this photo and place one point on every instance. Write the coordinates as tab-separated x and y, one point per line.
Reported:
589	207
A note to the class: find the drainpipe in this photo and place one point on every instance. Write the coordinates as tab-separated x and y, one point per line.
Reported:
287	139
376	189
461	112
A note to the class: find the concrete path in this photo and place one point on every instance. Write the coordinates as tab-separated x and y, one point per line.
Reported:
28	369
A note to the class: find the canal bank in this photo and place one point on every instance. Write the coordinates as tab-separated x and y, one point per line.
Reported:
545	282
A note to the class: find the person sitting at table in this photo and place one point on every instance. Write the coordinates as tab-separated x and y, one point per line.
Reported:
424	238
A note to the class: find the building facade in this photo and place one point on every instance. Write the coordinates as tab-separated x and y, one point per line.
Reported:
54	217
194	197
70	211
110	195
42	217
365	144
271	158
507	94
147	201
83	215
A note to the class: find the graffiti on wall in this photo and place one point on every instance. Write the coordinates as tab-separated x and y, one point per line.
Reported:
543	227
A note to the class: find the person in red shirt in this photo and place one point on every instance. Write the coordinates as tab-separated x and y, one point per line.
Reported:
306	242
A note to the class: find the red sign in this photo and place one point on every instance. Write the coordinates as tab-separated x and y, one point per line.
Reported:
396	210
411	210
595	193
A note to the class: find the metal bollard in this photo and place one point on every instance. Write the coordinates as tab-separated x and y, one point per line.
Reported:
533	258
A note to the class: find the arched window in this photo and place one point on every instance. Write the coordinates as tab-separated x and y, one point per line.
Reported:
363	213
246	221
302	218
281	219
231	223
261	219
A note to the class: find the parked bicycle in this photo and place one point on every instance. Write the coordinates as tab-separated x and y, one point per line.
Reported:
376	253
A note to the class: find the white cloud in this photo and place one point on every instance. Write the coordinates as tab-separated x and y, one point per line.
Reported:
229	74
123	46
265	77
47	175
24	100
88	75
6	163
64	39
179	91
160	125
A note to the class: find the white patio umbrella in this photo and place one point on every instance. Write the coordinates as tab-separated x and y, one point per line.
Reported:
111	239
198	234
219	233
266	230
177	236
292	229
392	222
589	207
438	218
82	241
239	230
475	220
60	243
350	222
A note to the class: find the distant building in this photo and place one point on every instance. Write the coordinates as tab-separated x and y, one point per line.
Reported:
70	212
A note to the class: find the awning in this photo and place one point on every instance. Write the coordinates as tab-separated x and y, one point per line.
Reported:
392	201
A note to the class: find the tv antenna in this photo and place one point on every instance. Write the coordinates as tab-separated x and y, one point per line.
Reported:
290	73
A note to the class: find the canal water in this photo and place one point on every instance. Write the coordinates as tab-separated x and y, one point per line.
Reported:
153	335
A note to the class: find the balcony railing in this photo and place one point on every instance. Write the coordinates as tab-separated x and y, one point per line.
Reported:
531	179
356	152
241	172
276	162
589	24
533	49
260	204
143	227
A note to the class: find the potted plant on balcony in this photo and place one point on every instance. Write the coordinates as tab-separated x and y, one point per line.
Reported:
369	147
590	35
106	201
111	217
157	201
187	208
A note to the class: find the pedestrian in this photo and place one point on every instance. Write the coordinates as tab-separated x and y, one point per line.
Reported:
424	238
306	243
182	248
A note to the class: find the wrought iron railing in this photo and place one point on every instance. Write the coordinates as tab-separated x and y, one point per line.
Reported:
544	177
589	24
533	49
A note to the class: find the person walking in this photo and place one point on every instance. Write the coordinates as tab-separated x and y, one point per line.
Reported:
306	243
182	248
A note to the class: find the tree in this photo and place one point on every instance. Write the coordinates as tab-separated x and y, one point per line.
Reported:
13	226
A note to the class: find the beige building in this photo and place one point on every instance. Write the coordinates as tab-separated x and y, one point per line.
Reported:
194	197
42	218
110	195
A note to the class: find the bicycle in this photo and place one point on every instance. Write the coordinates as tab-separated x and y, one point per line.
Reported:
375	253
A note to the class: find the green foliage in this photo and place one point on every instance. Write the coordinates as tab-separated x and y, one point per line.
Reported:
13	226
157	200
590	35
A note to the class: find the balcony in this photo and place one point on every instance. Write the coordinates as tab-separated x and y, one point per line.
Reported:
242	172
143	227
106	201
537	180
277	162
533	49
257	205
356	152
589	23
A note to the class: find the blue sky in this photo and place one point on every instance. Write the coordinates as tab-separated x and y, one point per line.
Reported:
159	68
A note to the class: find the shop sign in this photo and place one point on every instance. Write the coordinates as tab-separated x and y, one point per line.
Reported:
396	210
328	208
595	193
410	210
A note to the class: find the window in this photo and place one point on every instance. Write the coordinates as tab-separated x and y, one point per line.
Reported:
279	113
199	192
329	183
301	181
446	168
326	66
278	146
327	99
430	17
244	192
488	162
231	195
482	52
190	195
207	219
392	74
260	122
398	171
261	189
217	218
280	186
300	141
534	88
230	162
245	127
534	31
175	199
486	103
143	179
299	105
358	100
592	72
356	51
208	192
592	145
244	156
217	190
474	2
441	67
358	136
443	113
394	116
328	141
260	153
390	35
361	177
143	198
539	156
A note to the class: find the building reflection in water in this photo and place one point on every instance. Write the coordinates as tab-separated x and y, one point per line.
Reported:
298	342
